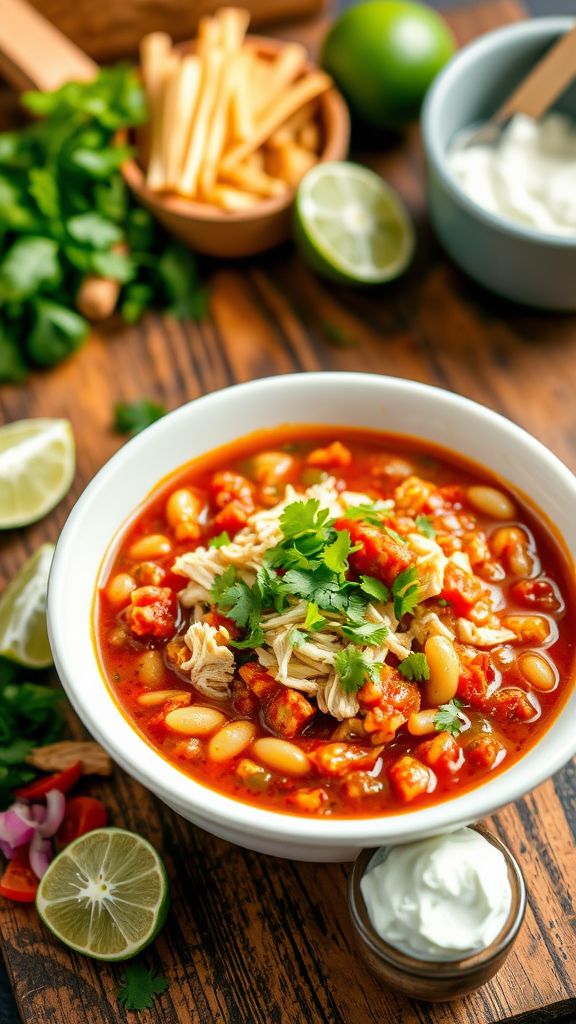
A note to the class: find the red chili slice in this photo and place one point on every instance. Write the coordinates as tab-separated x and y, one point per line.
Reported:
19	881
83	814
61	780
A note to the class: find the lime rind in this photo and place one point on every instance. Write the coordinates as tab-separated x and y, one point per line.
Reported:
37	464
351	226
106	895
23	632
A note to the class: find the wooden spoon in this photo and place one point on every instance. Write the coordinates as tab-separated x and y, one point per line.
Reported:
536	94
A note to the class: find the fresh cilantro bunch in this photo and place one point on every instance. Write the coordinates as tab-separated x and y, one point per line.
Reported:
30	716
65	213
140	986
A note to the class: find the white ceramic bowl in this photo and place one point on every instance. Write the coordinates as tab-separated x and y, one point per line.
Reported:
342	399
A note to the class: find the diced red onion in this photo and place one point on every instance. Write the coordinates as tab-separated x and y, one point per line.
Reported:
7	850
38	813
14	829
40	854
55	810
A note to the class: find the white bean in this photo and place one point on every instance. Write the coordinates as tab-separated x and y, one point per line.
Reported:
421	723
119	588
151	669
182	506
491	502
152	546
538	672
195	720
231	740
156	697
444	670
281	756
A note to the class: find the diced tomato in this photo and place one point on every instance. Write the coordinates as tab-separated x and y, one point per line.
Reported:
371	694
309	801
340	758
61	780
215	619
511	704
540	594
473	682
447	496
153	612
232	518
410	778
379	554
227	486
461	589
288	712
412	495
245	702
358	785
399	693
83	814
333	456
442	753
483	752
261	683
19	882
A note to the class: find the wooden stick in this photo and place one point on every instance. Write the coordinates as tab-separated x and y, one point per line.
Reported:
302	92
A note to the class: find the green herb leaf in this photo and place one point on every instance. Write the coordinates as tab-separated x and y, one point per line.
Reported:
93	230
405	591
305	517
132	417
140	986
44	190
424	524
29	265
296	637
220	541
178	272
336	554
314	621
374	588
56	332
447	718
353	669
372	633
373	512
415	667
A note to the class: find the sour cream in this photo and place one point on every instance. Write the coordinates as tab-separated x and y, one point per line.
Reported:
442	898
528	177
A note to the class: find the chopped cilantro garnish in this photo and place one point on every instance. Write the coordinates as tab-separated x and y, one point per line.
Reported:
447	718
415	667
220	541
405	591
314	621
140	986
336	554
296	638
373	633
353	668
424	524
372	512
241	603
374	588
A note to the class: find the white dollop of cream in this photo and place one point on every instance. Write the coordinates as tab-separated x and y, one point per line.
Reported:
528	176
442	898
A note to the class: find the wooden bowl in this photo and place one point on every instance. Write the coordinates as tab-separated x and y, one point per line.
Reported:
209	229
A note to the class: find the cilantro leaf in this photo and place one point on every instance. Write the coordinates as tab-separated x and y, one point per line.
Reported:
139	987
373	512
56	332
320	586
374	588
424	524
353	668
366	632
405	591
314	621
415	667
29	265
296	637
94	230
394	534
336	554
303	517
220	541
132	417
447	718
235	598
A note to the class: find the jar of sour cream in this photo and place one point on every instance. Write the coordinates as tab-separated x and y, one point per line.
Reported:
436	919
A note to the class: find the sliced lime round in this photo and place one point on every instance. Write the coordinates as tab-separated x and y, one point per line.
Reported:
351	226
23	633
37	462
106	895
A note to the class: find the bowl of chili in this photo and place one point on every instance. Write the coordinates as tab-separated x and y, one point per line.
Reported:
333	632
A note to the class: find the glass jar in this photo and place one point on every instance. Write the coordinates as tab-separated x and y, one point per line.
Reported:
433	980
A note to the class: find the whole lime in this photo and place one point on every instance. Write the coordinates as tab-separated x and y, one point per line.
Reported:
383	55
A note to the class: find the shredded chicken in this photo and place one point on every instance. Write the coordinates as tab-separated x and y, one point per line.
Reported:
333	700
430	565
211	663
482	636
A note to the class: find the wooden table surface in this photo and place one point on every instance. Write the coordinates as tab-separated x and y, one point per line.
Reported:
251	939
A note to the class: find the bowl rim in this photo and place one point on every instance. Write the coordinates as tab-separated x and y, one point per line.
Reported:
207	805
431	113
333	110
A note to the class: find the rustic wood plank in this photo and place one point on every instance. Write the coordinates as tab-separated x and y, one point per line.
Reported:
250	938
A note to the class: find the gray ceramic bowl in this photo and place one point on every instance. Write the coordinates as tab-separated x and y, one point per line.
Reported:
515	261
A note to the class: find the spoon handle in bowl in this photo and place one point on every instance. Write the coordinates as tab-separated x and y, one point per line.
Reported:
551	76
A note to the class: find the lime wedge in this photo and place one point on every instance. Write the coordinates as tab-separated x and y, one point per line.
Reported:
23	633
36	469
106	895
351	226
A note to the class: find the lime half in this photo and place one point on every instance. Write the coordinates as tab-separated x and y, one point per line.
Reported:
23	633
106	895
351	226
36	469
